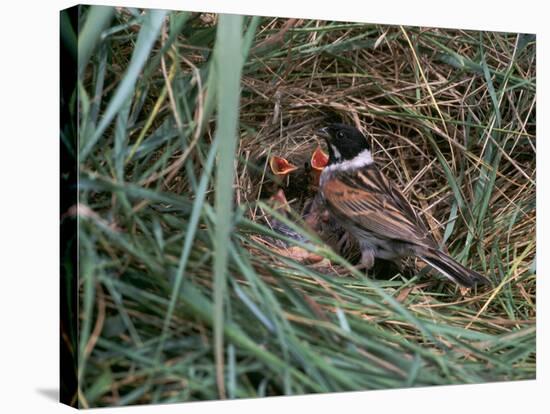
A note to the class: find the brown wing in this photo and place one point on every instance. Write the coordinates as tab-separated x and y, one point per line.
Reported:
368	200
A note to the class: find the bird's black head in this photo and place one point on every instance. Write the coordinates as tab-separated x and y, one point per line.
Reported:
344	142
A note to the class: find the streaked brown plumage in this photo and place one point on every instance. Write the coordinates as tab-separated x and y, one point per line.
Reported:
375	212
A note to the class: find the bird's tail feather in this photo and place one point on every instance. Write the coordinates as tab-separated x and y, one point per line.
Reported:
450	268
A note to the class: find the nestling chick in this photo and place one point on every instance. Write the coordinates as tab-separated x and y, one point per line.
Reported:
280	204
293	176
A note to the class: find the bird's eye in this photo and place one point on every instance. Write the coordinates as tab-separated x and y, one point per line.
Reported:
340	134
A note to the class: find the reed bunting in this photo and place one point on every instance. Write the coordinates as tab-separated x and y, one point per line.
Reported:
374	211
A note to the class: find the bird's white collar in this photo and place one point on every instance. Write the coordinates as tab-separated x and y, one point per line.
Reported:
361	160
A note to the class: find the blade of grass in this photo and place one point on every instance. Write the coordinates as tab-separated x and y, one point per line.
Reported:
229	63
97	20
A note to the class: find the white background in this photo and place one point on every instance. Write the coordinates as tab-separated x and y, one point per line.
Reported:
29	194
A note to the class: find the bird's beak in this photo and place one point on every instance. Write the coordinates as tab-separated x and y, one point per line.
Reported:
324	133
280	166
319	160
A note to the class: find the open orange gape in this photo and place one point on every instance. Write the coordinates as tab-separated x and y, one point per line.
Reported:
318	161
281	166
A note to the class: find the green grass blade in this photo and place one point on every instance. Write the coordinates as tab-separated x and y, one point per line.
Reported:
97	20
229	63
